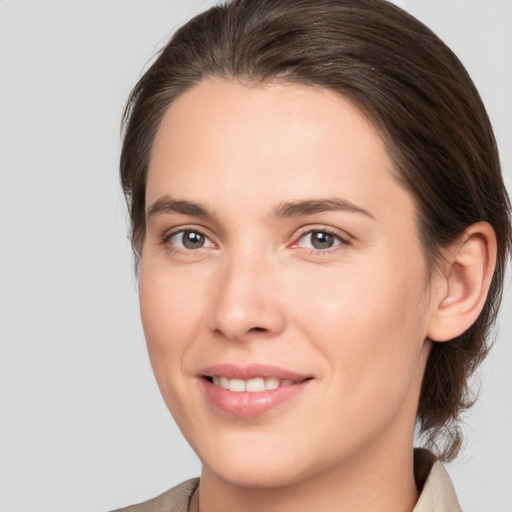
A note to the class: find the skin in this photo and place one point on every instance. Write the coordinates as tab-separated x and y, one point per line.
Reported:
355	317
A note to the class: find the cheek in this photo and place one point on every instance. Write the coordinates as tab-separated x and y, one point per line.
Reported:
170	311
350	301
171	305
367	320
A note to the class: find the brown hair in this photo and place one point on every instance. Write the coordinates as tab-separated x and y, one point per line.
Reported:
413	89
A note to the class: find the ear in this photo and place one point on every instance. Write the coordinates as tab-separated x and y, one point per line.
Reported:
460	288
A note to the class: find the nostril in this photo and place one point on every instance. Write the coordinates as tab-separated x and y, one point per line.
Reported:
258	329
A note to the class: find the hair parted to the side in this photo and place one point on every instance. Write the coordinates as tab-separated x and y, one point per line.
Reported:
410	86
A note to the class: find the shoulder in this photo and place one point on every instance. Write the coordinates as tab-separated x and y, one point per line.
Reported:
174	500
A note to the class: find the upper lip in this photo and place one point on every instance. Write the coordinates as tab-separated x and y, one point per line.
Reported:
252	371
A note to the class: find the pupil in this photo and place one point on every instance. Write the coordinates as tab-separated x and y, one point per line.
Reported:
193	240
322	240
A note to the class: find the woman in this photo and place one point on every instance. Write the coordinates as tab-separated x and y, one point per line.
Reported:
321	230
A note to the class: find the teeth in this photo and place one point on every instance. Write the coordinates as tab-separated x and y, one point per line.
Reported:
237	385
256	385
271	383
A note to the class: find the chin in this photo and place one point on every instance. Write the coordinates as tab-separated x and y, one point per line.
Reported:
253	475
254	461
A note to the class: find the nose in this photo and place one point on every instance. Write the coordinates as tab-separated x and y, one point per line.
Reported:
246	302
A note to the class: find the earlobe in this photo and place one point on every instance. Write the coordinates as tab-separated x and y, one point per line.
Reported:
462	286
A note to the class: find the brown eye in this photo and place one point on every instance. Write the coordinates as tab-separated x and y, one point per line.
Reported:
319	240
322	240
189	239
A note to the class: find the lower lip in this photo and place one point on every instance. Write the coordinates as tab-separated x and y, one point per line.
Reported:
248	404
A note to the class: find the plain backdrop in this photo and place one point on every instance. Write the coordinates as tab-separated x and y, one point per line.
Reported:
82	424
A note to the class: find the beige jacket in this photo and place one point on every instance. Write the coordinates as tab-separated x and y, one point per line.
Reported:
437	494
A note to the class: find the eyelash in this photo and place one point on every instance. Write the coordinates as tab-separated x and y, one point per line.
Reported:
341	241
172	248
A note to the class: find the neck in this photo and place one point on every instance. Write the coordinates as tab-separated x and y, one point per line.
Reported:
366	483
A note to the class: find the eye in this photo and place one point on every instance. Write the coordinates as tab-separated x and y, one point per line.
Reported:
320	240
189	240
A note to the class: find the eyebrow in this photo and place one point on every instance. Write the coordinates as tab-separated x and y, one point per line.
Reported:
310	206
169	205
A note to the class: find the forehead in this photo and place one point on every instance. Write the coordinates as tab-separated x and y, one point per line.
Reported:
267	107
278	141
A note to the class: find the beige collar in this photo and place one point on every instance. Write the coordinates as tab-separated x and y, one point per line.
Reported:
438	494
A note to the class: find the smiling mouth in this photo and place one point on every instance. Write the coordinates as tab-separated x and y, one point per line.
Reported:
255	385
252	390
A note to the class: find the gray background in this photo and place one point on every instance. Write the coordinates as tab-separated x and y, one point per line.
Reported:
82	424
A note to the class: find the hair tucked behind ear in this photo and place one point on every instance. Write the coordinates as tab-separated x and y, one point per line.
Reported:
407	82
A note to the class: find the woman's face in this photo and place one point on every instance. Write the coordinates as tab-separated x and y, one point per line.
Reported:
281	251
